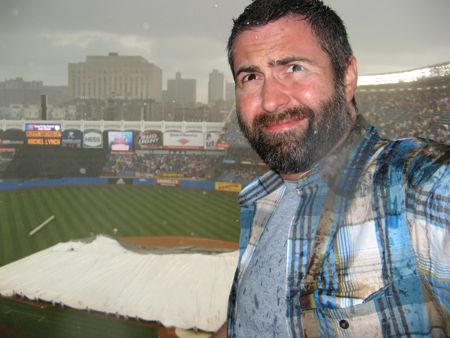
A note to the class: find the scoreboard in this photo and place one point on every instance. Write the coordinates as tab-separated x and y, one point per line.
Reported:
46	134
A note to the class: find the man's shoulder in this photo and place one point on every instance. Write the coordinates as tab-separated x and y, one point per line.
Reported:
430	163
416	151
423	163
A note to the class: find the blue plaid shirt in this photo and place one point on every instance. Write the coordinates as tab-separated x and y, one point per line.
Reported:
368	249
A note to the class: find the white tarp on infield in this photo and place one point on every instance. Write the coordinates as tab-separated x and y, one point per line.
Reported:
188	290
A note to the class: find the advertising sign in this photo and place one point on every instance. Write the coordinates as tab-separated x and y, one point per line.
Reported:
43	134
171	175
167	182
120	140
72	139
12	137
180	140
149	139
211	140
92	138
228	186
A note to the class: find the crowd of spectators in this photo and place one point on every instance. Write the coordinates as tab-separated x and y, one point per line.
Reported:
122	165
400	110
242	155
240	173
5	157
232	134
415	111
238	166
170	163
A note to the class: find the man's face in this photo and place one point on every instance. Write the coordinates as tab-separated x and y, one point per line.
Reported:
288	104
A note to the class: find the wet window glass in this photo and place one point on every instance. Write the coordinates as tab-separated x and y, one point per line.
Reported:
121	157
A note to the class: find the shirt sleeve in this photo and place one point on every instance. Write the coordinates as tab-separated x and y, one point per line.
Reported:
428	215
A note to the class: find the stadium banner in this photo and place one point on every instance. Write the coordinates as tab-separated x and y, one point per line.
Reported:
72	139
6	151
194	184
171	175
144	181
228	186
122	141
92	139
167	182
43	134
222	145
181	140
51	183
211	140
12	137
194	175
148	139
120	180
228	161
143	174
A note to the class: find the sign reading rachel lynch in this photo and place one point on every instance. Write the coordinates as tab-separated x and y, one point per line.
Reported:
43	134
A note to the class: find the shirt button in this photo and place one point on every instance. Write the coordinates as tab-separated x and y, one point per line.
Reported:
344	324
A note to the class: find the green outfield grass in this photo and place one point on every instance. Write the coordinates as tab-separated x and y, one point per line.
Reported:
23	320
84	211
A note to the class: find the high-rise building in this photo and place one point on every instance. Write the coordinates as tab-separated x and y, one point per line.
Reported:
181	91
19	91
215	87
114	76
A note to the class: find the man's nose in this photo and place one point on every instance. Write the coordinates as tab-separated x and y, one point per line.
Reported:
274	96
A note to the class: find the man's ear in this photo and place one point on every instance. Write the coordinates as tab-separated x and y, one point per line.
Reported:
351	79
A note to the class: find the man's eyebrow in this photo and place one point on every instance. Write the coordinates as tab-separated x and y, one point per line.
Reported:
280	62
247	69
288	59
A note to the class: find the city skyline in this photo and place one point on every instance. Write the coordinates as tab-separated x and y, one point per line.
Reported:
39	39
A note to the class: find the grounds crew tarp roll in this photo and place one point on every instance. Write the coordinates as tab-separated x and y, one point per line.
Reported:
184	290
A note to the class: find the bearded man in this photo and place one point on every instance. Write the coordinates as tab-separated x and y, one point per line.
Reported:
348	234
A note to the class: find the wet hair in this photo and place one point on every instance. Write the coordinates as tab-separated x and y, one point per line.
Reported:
325	23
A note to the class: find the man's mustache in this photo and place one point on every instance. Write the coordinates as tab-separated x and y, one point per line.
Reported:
266	118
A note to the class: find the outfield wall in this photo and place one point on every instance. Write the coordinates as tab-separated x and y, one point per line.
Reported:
188	184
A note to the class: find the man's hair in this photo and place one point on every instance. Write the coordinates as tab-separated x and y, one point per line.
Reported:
324	22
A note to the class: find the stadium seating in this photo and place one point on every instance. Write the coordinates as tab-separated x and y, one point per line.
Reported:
420	108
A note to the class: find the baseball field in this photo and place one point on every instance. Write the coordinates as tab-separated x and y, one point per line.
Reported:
84	211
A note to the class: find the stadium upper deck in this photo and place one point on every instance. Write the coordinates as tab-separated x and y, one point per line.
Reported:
394	103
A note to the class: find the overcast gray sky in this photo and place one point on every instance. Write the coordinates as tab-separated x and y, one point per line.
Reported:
39	38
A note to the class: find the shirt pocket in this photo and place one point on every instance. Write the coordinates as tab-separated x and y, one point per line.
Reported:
357	321
393	311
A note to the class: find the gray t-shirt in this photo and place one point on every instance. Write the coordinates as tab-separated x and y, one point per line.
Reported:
261	295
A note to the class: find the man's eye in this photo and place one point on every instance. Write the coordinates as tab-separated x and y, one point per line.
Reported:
295	68
249	77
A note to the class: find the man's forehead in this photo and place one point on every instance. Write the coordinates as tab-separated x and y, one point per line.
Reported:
275	42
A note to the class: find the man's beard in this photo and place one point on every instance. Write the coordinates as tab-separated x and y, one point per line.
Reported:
295	151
